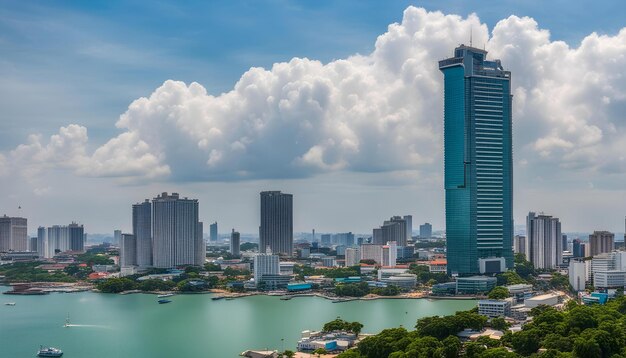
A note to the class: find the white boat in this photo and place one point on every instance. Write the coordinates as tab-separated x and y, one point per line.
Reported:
67	321
165	295
49	352
9	304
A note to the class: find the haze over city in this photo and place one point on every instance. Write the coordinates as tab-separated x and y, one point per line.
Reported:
106	104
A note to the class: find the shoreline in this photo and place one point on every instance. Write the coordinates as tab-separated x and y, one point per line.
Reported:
49	287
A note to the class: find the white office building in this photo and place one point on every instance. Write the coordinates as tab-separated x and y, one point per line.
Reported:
577	275
609	279
390	254
265	265
494	308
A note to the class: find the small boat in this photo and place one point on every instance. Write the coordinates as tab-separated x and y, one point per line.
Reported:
49	352
164	301
67	321
10	304
217	298
165	295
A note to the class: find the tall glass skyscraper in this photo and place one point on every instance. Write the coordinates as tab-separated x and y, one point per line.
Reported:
478	163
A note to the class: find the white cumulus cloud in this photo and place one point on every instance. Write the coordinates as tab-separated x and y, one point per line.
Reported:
378	112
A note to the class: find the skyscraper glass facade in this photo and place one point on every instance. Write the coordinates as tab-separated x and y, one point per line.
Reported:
478	162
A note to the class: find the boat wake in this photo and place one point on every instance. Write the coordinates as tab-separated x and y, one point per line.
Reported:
71	325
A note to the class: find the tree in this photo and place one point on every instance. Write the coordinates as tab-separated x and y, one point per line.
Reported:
499	323
340	325
451	347
288	354
526	342
116	285
248	246
497	353
584	348
320	351
350	353
499	293
368	262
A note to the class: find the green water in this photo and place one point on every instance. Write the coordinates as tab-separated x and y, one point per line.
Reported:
136	326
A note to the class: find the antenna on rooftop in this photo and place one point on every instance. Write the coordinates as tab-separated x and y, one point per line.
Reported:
471	30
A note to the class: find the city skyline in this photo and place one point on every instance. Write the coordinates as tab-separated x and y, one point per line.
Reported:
334	163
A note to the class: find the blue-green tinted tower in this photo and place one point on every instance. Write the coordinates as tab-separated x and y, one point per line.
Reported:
478	163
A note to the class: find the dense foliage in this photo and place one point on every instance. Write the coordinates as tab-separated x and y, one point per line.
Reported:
28	272
341	325
335	272
91	258
498	293
424	276
597	331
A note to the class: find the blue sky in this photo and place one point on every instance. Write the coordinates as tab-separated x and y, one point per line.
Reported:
85	62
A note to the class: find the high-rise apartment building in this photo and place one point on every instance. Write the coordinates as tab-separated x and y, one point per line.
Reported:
543	241
276	229
577	275
142	231
519	244
325	239
76	237
578	248
174	231
213	232
408	219
601	242
353	256
117	237
13	234
393	229
61	238
234	242
426	231
128	250
478	163
41	242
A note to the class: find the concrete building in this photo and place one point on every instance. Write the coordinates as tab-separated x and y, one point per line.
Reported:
475	284
13	234
519	244
117	237
61	238
577	275
276	230
175	231
494	308
41	242
544	242
478	162
408	219
393	229
234	243
549	299
76	238
128	251
390	254
372	252
609	279
32	244
329	261
578	248
344	238
142	230
405	281
353	256
601	242
426	231
384	273
213	232
325	240
265	264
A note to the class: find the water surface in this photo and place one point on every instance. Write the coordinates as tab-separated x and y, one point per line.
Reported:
109	325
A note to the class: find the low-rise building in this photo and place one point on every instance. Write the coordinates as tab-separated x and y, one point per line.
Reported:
388	272
494	308
475	285
548	299
405	281
609	279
